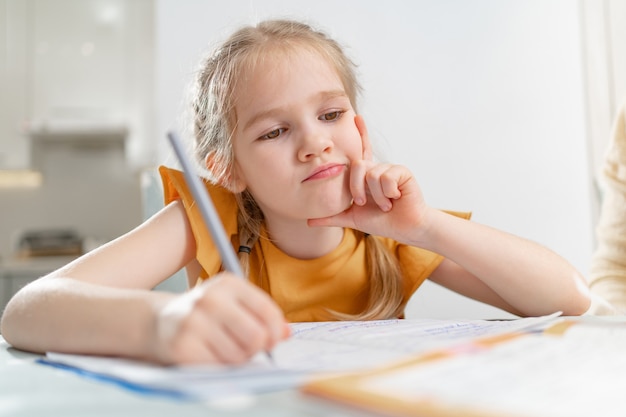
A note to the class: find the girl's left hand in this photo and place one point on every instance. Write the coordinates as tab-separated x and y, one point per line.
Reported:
387	200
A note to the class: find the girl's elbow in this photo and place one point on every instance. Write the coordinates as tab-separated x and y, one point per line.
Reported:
9	324
579	302
580	306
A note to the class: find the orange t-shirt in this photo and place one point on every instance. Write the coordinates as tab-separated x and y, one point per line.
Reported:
305	289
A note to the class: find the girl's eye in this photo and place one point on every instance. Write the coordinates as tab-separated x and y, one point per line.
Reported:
333	115
273	134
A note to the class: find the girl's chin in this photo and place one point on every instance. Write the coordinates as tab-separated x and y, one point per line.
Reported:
332	209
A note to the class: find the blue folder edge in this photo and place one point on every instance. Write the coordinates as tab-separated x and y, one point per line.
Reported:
130	386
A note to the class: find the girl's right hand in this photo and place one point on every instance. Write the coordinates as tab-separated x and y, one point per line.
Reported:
223	320
388	201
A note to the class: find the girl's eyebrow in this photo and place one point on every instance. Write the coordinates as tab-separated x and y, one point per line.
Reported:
321	96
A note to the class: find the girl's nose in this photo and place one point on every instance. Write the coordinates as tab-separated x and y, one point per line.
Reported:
314	144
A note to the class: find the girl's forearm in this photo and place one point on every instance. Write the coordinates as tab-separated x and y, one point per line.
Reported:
66	315
528	276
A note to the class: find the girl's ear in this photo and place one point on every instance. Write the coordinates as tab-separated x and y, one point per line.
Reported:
236	180
365	139
230	180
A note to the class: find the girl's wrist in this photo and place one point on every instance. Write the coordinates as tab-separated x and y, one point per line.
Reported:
152	338
421	235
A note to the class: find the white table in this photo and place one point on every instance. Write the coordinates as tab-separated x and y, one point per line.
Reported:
28	389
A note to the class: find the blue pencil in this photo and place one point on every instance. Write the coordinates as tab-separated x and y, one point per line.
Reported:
207	209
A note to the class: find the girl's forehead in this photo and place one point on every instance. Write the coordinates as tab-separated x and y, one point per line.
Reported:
280	79
285	60
280	67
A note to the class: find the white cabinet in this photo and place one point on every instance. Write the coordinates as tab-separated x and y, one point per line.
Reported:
10	284
16	273
14	149
75	64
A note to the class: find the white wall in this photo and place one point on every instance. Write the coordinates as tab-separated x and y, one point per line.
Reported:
482	99
604	45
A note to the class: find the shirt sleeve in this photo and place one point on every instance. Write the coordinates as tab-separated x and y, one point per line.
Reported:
175	188
607	277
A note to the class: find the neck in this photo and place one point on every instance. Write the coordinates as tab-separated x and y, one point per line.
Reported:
300	241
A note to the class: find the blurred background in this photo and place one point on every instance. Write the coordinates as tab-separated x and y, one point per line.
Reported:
499	107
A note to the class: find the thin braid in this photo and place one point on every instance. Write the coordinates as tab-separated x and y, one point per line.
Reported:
249	221
386	294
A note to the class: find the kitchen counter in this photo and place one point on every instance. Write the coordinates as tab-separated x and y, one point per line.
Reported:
39	265
17	272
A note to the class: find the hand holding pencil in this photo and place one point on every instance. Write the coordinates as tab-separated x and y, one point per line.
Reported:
225	319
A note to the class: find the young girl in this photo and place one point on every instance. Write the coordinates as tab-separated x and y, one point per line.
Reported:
324	232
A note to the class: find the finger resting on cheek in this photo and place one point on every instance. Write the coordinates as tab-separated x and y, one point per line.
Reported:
357	183
376	191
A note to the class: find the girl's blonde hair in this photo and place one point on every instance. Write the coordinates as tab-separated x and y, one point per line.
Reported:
215	121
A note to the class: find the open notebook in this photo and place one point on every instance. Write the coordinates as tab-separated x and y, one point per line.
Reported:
314	349
573	369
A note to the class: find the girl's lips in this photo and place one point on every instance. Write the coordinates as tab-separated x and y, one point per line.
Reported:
326	171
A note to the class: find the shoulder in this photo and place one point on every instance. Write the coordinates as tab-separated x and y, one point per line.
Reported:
175	187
